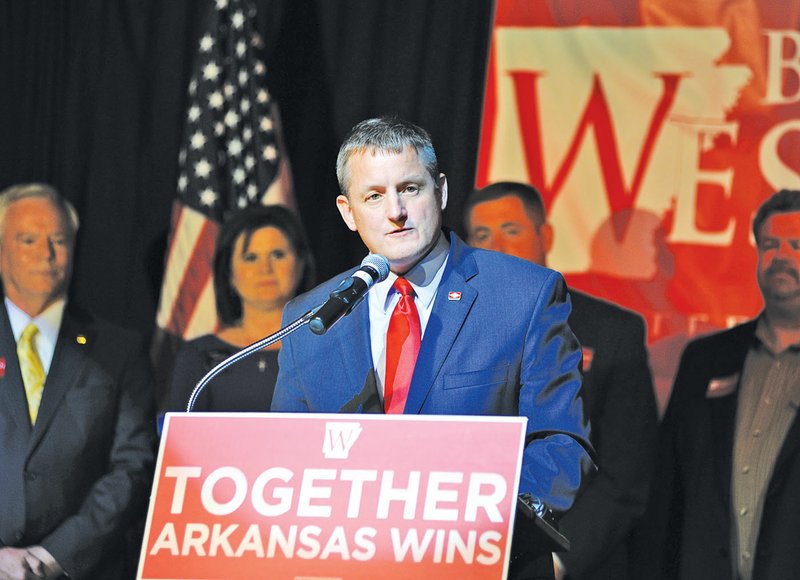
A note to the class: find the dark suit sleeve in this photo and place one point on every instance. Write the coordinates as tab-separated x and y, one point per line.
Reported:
190	366
624	426
120	495
657	539
556	458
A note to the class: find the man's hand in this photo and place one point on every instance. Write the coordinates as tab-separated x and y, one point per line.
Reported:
51	568
558	568
19	564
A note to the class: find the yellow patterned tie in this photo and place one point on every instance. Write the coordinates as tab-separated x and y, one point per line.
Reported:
32	370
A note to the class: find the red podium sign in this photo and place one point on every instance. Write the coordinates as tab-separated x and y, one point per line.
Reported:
302	496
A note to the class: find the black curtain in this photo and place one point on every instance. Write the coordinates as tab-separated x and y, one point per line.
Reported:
93	98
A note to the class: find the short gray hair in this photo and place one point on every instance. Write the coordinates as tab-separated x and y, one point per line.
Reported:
43	191
385	134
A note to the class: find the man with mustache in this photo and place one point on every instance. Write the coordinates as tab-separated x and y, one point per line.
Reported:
725	501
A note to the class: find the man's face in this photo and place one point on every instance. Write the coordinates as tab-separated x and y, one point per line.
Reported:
504	225
35	254
779	260
394	205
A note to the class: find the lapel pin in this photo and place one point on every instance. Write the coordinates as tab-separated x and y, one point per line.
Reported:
80	339
2	366
454	295
722	386
588	357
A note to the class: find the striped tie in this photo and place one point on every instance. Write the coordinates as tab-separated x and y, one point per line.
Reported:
32	370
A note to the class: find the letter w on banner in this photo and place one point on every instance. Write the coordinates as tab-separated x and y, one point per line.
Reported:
230	158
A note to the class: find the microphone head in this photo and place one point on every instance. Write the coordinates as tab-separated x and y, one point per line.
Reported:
379	264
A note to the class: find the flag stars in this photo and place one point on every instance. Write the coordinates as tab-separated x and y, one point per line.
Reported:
231	118
216	100
194	113
243	78
270	152
247	134
183	181
252	191
249	162
239	175
219	129
198	140
206	43
241	48
238	19
235	148
202	169
193	87
229	89
244	105
208	197
221	4
262	96
266	124
259	68
211	71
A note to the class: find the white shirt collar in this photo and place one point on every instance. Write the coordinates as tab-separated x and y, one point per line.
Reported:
424	278
48	322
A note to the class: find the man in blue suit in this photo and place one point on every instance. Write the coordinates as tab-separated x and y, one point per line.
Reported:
492	330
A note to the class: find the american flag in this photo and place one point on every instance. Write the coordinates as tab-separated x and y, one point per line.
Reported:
230	159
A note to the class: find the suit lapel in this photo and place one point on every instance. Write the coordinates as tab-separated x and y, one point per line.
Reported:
13	403
65	370
445	322
789	450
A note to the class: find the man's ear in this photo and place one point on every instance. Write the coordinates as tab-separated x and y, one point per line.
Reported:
441	185
343	205
546	234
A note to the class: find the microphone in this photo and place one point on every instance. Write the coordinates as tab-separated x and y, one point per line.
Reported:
374	268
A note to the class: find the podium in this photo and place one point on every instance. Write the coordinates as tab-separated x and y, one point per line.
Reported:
302	496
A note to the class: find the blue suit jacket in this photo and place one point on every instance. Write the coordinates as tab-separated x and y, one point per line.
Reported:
502	348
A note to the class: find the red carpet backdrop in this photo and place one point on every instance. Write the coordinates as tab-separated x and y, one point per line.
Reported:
653	129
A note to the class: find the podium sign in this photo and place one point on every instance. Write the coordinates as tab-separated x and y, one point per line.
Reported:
302	496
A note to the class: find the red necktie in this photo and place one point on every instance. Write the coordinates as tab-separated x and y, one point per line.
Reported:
402	347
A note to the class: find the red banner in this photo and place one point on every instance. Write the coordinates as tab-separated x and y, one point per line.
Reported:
653	130
333	496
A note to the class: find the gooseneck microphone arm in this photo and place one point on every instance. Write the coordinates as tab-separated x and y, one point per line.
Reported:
245	352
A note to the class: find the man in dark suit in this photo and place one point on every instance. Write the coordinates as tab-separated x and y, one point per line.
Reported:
489	332
77	435
725	501
510	217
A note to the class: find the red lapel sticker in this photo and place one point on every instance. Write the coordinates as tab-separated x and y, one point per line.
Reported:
2	366
454	295
588	355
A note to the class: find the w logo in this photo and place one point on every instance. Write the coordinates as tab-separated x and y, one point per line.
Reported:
339	439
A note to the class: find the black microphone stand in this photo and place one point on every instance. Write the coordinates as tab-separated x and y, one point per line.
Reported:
245	352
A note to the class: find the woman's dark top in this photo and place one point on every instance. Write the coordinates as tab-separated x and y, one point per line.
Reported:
247	385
